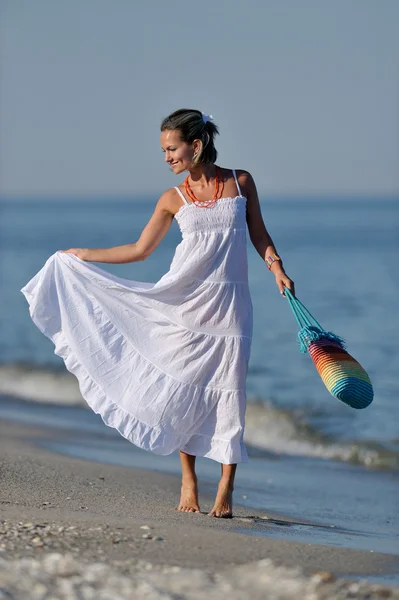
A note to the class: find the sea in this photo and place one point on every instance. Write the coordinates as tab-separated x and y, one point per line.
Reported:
332	469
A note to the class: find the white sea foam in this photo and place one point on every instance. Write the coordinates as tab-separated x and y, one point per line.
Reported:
279	431
40	385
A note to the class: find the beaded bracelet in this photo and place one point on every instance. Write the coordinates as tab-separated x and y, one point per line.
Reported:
271	259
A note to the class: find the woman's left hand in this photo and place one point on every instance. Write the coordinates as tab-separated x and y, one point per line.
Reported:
283	281
81	253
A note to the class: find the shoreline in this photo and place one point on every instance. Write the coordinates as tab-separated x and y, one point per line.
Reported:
73	528
41	485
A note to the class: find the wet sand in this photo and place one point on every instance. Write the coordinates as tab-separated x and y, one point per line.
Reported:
113	514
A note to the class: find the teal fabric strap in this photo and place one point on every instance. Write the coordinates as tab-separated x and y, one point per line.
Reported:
302	315
310	330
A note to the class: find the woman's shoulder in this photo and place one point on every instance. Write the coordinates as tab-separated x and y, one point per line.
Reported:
171	200
244	178
242	174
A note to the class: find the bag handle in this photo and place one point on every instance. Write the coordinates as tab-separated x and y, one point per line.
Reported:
303	317
310	330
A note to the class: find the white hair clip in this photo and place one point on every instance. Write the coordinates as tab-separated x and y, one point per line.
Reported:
206	118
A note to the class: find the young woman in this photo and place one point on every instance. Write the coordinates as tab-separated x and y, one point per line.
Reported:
166	363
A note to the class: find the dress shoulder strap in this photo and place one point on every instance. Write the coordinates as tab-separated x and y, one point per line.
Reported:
181	195
238	187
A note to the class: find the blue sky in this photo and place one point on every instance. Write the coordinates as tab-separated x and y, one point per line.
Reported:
305	92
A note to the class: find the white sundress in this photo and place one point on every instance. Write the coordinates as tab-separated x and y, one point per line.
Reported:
164	363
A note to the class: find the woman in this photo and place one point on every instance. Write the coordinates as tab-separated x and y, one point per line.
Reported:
166	363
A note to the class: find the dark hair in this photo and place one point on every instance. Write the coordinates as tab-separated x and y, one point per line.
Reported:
191	126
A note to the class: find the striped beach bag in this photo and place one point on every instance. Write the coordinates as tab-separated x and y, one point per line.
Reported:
342	375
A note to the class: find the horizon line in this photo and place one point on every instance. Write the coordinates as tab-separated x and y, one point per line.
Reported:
92	196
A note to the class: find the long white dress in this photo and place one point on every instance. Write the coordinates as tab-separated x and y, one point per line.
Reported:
164	363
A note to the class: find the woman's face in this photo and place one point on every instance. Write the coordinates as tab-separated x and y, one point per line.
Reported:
178	154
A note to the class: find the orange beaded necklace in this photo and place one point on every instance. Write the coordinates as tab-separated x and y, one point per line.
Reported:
205	203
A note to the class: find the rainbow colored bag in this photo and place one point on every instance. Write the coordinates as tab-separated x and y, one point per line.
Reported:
342	375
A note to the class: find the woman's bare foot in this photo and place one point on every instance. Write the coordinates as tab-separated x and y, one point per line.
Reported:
223	507
189	496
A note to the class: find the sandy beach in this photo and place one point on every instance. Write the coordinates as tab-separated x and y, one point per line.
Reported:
62	517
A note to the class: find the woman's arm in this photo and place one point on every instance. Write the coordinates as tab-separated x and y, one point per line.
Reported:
258	233
150	237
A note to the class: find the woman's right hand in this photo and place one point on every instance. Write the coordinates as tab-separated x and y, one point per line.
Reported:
81	253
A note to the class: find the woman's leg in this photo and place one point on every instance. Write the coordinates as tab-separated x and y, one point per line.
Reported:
223	506
189	489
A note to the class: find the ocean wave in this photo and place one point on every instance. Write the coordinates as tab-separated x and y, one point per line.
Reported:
268	428
284	431
45	386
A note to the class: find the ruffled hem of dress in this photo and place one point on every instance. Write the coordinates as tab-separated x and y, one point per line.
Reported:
150	438
211	447
135	431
